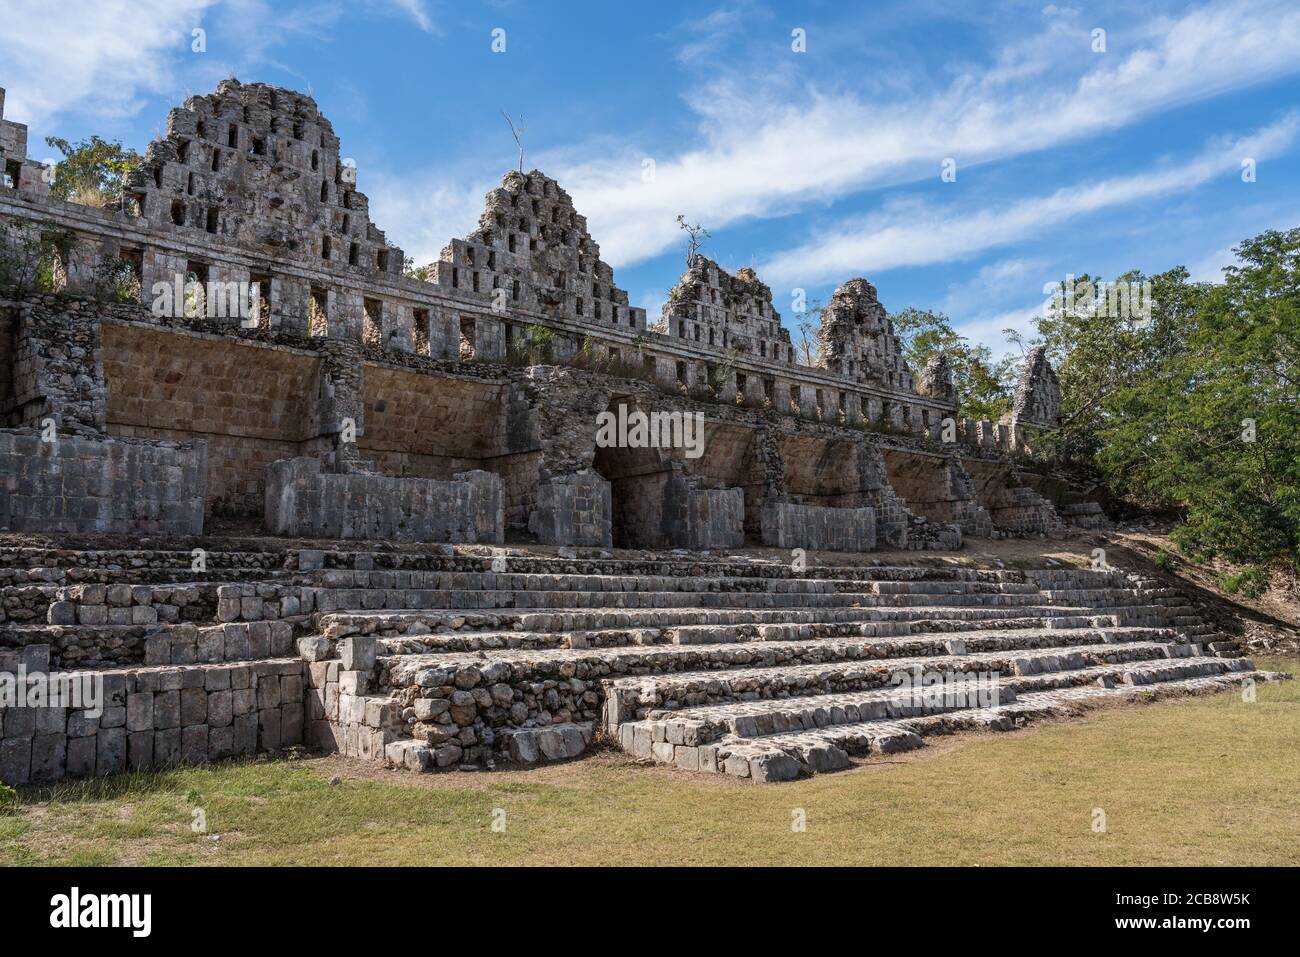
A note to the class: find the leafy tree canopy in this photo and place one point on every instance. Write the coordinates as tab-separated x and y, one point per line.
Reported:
91	170
983	385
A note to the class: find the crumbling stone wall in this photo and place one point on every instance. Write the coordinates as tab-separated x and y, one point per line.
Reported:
532	251
1015	508
701	518
157	717
939	489
261	165
8	328
1037	399
351	361
725	312
57	365
573	509
936	379
786	525
858	338
17	172
304	501
78	483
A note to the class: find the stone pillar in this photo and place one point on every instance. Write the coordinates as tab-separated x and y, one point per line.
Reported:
573	509
444	333
398	327
489	339
874	410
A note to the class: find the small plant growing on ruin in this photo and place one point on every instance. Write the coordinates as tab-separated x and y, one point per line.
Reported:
411	271
114	280
535	347
8	800
30	258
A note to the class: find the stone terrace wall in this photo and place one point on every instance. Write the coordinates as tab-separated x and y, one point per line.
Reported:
90	484
7	324
248	186
703	518
430	427
573	509
786	525
156	717
301	500
254	403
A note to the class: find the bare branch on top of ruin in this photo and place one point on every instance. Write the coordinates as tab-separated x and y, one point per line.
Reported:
518	134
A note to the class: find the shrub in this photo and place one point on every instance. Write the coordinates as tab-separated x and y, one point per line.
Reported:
1251	581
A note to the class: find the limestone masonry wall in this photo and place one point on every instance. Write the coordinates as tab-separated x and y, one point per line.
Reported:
253	404
240	306
158	717
89	484
573	509
303	501
810	526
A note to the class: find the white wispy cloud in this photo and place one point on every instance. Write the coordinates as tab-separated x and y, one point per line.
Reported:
915	233
102	55
422	213
701	37
764	149
766	145
109	57
415	9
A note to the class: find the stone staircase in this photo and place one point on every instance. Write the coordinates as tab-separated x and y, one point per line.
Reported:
741	667
468	658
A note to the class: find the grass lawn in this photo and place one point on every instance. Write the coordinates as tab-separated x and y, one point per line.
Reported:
1207	780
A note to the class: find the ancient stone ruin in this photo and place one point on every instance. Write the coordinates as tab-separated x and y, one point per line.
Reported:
258	483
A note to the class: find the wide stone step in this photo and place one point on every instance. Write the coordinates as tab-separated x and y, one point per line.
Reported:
1010	633
398	622
403	670
328	600
750	719
683	567
786	755
136	559
703	565
504	581
1130	673
634	698
526	746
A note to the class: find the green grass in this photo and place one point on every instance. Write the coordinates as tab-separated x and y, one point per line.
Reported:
1206	780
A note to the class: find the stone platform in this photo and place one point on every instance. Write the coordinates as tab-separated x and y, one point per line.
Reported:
445	658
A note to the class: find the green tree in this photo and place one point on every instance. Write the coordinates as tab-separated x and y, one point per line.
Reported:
1102	337
983	384
91	170
1210	416
411	271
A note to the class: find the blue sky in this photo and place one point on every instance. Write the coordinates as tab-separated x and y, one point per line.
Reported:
813	167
